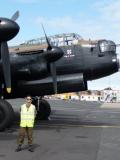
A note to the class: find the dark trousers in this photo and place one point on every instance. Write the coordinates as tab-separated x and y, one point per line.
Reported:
22	131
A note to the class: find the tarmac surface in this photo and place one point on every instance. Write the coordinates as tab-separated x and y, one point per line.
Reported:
75	131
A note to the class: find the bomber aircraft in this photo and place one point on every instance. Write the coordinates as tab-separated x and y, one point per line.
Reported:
65	65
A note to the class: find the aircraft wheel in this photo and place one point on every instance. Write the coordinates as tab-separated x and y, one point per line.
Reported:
6	114
44	110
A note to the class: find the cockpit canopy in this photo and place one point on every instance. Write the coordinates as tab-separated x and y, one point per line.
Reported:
56	40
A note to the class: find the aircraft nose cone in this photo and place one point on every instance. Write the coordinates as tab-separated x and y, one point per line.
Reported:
8	29
58	52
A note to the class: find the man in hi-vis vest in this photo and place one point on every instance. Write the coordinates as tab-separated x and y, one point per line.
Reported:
27	117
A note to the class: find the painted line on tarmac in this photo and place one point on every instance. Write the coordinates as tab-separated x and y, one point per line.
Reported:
84	104
83	126
101	105
84	110
92	126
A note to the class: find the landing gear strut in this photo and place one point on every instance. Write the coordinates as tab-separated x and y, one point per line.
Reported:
43	108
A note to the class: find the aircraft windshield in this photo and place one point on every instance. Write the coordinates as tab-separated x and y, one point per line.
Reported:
107	46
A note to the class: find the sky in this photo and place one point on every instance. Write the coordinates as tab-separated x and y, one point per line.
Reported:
92	19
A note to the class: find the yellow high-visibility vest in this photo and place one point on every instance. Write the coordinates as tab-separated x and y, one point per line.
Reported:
27	116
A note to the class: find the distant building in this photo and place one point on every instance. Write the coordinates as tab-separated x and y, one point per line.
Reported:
68	96
108	95
85	97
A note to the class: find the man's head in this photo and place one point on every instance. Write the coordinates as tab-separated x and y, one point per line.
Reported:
28	100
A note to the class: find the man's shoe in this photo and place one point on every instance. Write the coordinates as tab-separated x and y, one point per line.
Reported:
18	148
31	148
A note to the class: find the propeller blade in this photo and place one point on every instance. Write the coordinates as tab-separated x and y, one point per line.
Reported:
15	16
53	72
6	65
49	45
52	65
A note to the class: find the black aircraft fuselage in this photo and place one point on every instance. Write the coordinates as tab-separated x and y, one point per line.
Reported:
54	70
30	71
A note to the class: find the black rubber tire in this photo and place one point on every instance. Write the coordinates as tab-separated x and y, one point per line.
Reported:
44	110
6	114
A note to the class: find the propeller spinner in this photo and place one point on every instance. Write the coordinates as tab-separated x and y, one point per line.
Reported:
8	30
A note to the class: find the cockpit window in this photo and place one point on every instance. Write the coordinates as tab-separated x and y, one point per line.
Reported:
103	46
107	46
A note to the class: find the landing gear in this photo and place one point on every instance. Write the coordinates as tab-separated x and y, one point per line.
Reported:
6	114
43	108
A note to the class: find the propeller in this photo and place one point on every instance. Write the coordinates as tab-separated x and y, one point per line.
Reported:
48	43
8	30
15	16
6	65
52	65
54	76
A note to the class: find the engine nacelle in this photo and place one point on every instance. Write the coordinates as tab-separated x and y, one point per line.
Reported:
71	83
65	83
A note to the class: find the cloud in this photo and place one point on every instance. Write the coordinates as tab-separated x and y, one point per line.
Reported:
53	2
109	10
65	24
26	1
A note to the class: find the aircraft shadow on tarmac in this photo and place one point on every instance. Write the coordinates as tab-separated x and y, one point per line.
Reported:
62	123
